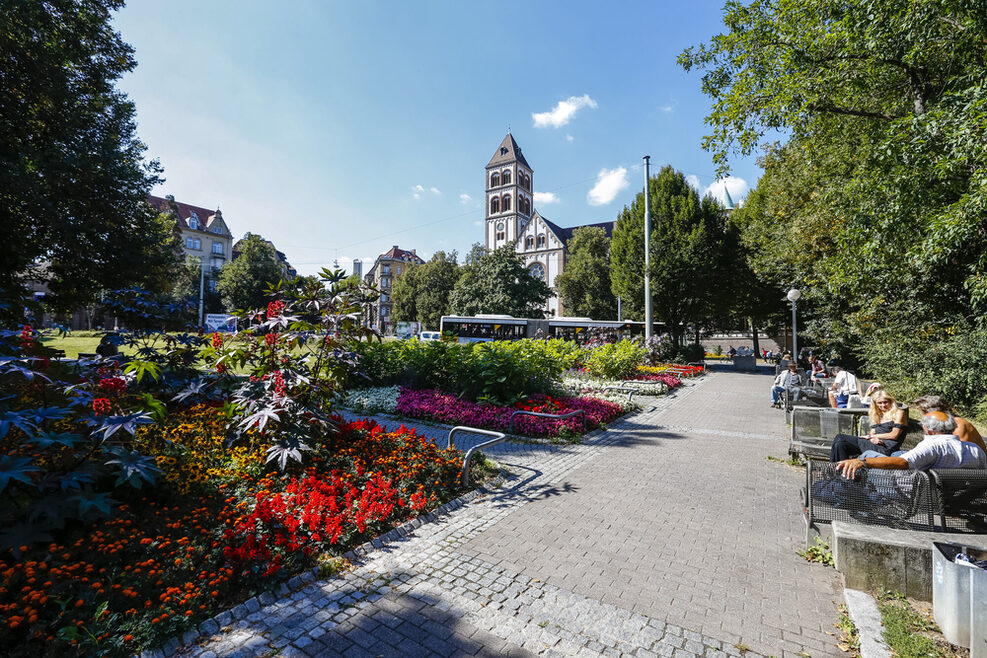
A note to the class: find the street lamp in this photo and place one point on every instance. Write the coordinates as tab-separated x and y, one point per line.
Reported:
793	296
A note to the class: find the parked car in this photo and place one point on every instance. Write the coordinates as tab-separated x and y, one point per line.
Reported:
430	335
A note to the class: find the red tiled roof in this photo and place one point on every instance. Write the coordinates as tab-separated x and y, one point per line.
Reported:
400	254
185	211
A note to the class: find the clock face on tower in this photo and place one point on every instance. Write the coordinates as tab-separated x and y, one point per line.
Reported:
500	226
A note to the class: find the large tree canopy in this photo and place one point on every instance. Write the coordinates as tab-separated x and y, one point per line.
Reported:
73	183
422	293
497	282
882	189
690	267
243	283
584	285
875	205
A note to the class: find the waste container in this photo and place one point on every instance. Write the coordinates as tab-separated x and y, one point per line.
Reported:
978	611
951	585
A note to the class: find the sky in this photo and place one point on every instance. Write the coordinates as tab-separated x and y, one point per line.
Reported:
340	129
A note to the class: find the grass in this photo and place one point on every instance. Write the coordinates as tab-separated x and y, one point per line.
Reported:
850	640
911	632
794	461
819	552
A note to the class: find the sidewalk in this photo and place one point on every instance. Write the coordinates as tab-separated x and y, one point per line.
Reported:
670	534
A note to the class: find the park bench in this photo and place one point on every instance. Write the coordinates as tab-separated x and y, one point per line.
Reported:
813	429
901	499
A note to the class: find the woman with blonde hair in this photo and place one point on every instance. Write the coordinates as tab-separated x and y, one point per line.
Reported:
888	426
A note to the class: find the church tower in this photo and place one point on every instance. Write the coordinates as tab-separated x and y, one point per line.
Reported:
508	195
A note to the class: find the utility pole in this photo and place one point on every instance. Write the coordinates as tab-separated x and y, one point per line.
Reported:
202	290
648	320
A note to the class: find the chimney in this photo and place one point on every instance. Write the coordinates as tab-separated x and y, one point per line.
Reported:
413	253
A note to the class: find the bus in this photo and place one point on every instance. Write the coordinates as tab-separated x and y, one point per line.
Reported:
481	328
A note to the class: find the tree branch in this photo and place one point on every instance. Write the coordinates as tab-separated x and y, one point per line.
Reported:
834	109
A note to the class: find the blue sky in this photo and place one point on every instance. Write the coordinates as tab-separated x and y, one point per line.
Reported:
339	129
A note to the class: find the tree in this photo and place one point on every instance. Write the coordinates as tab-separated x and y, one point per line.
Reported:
244	281
690	271
497	282
584	285
422	293
886	105
73	196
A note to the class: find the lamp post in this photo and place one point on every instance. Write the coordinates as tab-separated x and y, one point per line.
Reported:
648	319
793	296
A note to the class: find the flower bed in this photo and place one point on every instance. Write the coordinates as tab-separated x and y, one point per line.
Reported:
378	399
219	527
446	408
575	386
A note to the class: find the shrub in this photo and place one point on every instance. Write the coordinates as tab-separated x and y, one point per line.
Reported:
615	361
949	365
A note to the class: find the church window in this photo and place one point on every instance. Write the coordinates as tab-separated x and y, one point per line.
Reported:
541	241
527	206
494	179
494	205
505	178
500	235
507	203
537	271
529	242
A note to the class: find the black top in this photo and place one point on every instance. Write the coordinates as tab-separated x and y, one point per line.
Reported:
885	428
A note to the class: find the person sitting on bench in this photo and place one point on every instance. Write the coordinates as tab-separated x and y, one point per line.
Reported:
964	428
889	424
818	369
844	384
940	448
790	380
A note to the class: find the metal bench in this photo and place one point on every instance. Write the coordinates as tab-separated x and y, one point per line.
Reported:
962	499
903	499
814	428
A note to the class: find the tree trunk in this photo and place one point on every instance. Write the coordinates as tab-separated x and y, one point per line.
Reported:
754	338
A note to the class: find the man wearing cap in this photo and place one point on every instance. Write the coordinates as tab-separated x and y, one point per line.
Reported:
939	449
791	380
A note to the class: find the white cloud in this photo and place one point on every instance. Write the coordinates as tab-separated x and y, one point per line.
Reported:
694	183
569	138
545	198
418	190
465	198
609	183
737	187
562	112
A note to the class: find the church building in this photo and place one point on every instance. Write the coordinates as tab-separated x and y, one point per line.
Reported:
512	219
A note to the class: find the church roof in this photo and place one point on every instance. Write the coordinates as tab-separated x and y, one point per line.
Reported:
564	234
508	151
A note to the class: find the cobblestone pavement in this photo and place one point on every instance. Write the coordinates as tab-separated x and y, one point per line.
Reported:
669	534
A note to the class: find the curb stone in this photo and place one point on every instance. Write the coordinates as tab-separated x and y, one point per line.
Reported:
863	612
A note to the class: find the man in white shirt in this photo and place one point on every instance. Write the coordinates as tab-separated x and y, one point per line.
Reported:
844	385
939	449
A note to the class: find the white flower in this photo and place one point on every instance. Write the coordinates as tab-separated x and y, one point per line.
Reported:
374	400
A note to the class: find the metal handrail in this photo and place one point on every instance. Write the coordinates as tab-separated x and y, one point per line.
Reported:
510	426
630	390
499	437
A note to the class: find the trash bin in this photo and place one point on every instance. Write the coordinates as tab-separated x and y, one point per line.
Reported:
951	598
978	609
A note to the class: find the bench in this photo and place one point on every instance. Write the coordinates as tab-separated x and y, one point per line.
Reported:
902	499
813	429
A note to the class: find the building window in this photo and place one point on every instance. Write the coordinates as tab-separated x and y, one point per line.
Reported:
212	285
217	248
494	179
193	222
537	271
506	200
193	243
541	241
383	283
505	178
383	311
494	205
387	269
529	242
500	235
383	297
399	269
217	263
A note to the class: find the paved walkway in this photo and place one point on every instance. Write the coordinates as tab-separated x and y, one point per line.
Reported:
670	534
